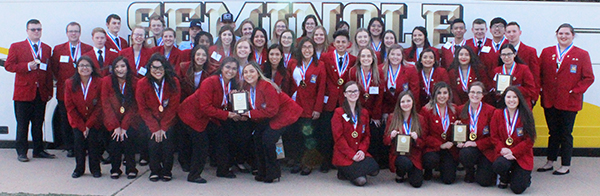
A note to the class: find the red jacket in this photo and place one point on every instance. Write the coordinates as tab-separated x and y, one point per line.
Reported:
416	147
374	101
433	136
447	53
64	69
334	89
269	104
109	57
286	86
210	99
174	56
564	89
184	56
310	98
145	55
111	45
483	140
439	75
111	107
488	55
460	95
345	146
522	146
407	79
148	104
264	56
84	113
522	78
28	83
529	56
214	61
415	58
188	86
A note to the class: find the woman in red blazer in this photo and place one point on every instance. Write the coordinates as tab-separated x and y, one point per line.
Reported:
138	54
272	110
222	49
193	72
406	121
288	43
259	45
169	50
82	100
466	68
399	76
513	134
440	152
478	150
158	97
430	71
510	64
419	43
308	91
351	136
566	73
275	70
320	38
120	116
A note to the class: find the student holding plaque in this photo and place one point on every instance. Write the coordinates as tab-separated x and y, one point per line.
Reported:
513	134
138	54
275	70
158	97
478	149
465	68
351	134
430	72
566	73
222	49
406	122
440	152
120	116
271	111
399	76
509	64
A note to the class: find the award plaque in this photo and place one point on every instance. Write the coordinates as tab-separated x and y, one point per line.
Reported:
502	82
279	149
403	144
460	133
240	102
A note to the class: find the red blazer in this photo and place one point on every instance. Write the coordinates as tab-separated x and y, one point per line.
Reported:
188	86
439	75
148	105
27	83
210	97
174	56
564	89
145	55
278	107
109	57
461	96
111	45
84	113
345	146
488	54
407	80
374	101
64	70
111	107
189	113
522	147
215	63
310	98
286	85
529	56
416	147
483	141
415	58
447	54
334	90
433	136
263	54
524	80
184	56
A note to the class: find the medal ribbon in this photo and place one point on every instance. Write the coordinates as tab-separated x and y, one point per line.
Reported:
168	54
286	58
407	126
137	59
75	57
159	91
392	79
510	123
366	81
36	55
462	44
427	81
253	96
85	89
355	120
465	80
500	44
378	47
160	41
562	54
512	68
225	90
304	68
344	64
122	88
474	118
258	57
445	118
113	40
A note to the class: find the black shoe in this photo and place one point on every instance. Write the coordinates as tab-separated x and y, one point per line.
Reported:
399	179
166	178
44	155
97	175
295	169
503	185
306	171
199	180
258	178
271	180
143	162
106	161
185	169
70	153
541	169
360	181
469	176
254	172
375	173
115	175
242	168
132	175
560	173
324	169
340	176
23	158
154	178
227	175
428	174
76	175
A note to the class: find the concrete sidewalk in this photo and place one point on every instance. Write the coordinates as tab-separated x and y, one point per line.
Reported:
43	176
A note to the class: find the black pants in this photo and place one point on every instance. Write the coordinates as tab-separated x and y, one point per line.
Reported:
66	131
161	155
265	139
293	140
511	172
118	149
141	141
471	157
30	112
89	145
242	146
324	138
443	160
376	148
560	125
220	137
359	169
183	143
199	151
405	166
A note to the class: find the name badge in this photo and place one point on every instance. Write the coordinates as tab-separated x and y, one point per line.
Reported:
216	56
448	45
294	96
573	68
374	90
486	49
325	99
142	71
43	66
113	50
313	79
64	59
486	130
405	86
520	131
345	116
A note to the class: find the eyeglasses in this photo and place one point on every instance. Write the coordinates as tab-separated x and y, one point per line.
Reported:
352	92
157	67
36	29
84	65
497	26
506	54
476	92
138	35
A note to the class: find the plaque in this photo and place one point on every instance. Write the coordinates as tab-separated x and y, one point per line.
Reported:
279	149
403	144
460	133
240	102
502	82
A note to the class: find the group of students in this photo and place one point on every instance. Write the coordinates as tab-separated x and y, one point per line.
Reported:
342	104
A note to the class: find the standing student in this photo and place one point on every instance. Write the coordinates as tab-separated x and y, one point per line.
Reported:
510	64
83	103
280	26
321	39
566	73
242	52
193	30
169	50
484	46
288	44
399	76
29	61
389	39
101	55
245	30
308	27
430	73
222	49
458	30
275	70
465	69
526	53
158	97
138	54
513	135
114	42
156	26
259	45
376	33
418	44
361	40
406	121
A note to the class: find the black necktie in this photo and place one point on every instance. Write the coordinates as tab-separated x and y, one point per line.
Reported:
117	42
341	63
100	59
73	51
35	49
479	44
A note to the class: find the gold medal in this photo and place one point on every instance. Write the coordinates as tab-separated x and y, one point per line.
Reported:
122	110
302	83
354	134
443	135
472	136
37	61
161	108
509	141
340	81
366	95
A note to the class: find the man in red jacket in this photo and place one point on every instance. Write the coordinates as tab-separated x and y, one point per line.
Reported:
526	53
113	26
29	61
